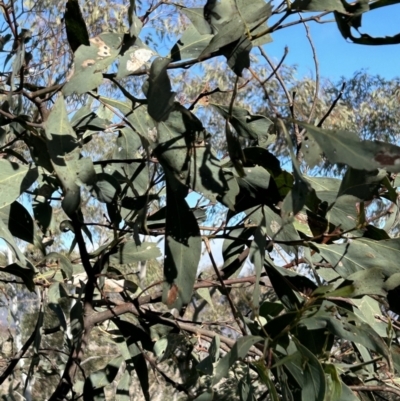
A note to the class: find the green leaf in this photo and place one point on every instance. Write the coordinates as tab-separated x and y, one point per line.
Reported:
83	170
347	148
135	25
250	126
365	282
14	180
246	389
64	263
345	23
232	22
22	261
128	142
255	187
19	221
90	122
232	250
238	54
319	5
314	385
362	254
77	33
190	45
324	185
235	151
206	396
129	252
61	144
228	33
139	118
158	90
205	294
101	378
214	349
239	351
231	198
276	326
25	273
270	309
206	176
182	250
253	13
86	119
264	375
56	292
196	16
362	184
257	254
277	229
297	197
349	327
139	362
258	156
90	62
347	394
282	287
76	323
124	383
205	366
333	383
367	309
176	136
106	188
343	212
38	150
133	60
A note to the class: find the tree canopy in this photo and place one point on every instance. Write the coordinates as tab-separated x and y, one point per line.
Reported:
137	137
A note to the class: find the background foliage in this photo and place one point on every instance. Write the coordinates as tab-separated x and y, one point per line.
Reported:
135	138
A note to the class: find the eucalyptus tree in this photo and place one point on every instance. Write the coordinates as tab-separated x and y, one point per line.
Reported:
104	135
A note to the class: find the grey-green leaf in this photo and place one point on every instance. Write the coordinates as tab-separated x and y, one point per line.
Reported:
129	252
347	148
182	250
19	221
91	61
239	351
158	90
14	180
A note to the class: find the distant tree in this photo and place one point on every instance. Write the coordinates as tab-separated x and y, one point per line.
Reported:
120	168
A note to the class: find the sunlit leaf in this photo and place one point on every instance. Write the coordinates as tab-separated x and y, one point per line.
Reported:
239	351
130	252
347	148
14	180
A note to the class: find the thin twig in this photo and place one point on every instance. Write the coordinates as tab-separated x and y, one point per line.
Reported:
376	388
145	16
278	66
277	27
226	293
333	105
317	81
127	161
266	94
317	73
289	98
216	90
16	118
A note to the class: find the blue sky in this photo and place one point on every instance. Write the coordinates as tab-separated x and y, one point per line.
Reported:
336	56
